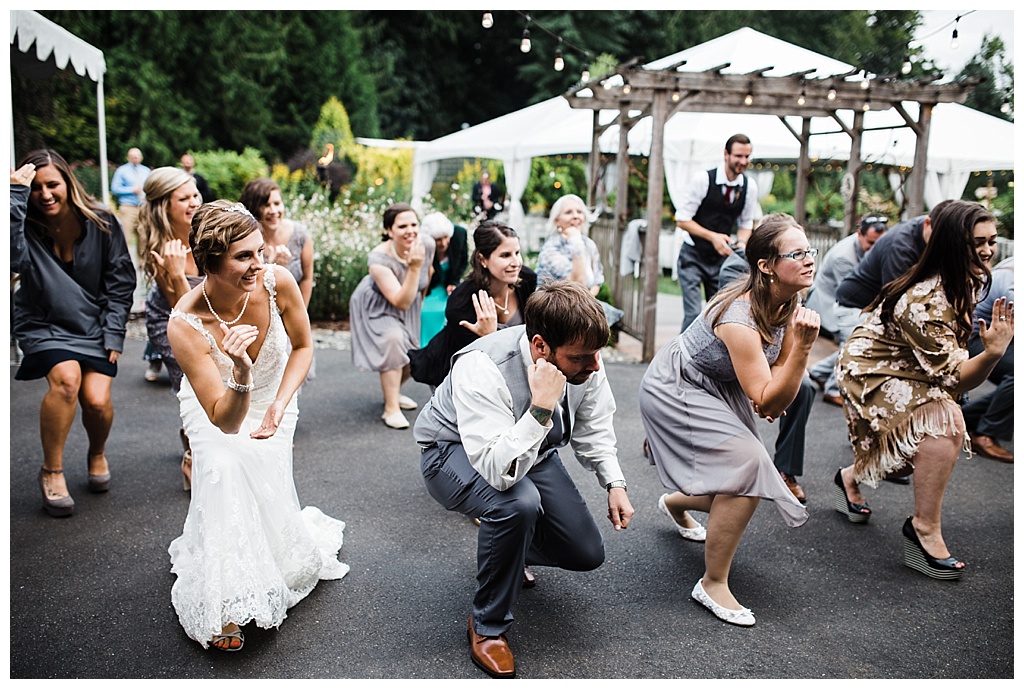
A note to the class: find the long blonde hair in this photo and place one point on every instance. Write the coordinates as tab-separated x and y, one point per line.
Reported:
154	226
763	244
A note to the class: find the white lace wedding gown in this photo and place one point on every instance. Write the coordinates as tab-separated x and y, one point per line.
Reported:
247	552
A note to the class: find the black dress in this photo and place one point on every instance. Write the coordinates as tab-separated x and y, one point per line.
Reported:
431	364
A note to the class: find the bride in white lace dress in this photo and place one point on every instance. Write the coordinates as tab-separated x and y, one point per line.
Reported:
247	552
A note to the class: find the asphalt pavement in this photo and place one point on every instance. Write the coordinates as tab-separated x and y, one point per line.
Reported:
90	594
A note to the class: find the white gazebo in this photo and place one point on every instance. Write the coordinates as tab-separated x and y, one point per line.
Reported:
55	48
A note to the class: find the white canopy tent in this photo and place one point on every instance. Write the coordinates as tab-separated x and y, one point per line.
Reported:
694	141
55	47
551	127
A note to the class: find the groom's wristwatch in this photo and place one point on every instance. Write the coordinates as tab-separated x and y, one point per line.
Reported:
616	484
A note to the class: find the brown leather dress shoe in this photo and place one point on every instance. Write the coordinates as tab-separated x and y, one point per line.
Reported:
988	447
835	400
491	654
794	487
529	578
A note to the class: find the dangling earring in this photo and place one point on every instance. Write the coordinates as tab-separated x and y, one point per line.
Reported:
771	277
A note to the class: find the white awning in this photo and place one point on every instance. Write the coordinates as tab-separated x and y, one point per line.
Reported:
56	47
28	28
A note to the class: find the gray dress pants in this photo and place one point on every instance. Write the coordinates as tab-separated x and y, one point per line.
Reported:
541	520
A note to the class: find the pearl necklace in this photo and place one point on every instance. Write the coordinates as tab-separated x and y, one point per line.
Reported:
395	253
504	309
216	315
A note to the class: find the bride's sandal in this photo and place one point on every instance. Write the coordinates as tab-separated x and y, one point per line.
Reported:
228	641
186	462
186	470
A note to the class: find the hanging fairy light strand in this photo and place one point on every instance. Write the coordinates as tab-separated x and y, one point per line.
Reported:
526	44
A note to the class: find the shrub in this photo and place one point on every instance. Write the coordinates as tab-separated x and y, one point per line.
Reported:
343	234
228	172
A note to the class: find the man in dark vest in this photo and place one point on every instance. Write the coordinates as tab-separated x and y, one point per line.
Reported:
489	440
716	202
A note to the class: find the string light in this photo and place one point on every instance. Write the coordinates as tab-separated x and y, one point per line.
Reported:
906	64
676	96
954	44
559	62
749	99
803	96
626	89
832	93
585	76
488	20
525	45
867	102
864	82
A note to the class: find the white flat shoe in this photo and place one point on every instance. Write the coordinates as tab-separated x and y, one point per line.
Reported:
396	420
697	533
406	403
741	618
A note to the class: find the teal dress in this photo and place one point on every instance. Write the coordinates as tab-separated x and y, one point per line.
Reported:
432	314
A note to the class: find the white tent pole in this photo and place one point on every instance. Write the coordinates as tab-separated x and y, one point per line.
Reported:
101	110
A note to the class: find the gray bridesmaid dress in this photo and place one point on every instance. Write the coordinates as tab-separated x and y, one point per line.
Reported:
700	425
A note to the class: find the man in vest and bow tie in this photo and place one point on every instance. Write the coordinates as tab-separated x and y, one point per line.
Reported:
716	203
489	440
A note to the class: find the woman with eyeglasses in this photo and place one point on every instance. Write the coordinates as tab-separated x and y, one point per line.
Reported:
745	354
901	371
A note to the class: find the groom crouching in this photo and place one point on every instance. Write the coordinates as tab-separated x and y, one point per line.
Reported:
490	437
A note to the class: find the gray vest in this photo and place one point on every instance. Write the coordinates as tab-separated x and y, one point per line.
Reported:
438	421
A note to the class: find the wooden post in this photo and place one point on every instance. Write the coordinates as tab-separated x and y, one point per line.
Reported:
915	197
622	168
803	172
851	182
595	161
655	199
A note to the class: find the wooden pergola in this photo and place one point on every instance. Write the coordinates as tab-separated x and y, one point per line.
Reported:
660	94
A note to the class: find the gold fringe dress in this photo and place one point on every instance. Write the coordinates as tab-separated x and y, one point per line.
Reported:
888	376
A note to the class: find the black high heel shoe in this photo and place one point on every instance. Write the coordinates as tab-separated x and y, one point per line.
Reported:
916	557
858	514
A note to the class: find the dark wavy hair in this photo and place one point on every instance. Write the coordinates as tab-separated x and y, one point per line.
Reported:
256	195
564	312
951	254
391	213
84	205
487	237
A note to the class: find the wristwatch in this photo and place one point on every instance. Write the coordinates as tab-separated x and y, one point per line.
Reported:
616	484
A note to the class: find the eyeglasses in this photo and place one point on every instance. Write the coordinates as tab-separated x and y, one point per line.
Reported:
799	255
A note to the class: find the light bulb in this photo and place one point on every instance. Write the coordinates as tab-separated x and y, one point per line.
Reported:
586	75
676	96
866	106
832	94
906	65
864	83
954	44
626	89
749	100
607	84
802	98
559	62
1005	107
488	20
525	45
